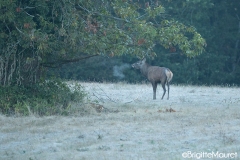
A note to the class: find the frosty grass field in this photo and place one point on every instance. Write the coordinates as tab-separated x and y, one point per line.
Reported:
121	121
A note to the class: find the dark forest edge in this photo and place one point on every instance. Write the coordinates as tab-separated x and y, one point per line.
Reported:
109	69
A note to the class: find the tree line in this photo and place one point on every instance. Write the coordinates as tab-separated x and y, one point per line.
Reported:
216	20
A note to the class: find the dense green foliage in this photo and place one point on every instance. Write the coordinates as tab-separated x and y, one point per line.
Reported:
47	98
37	35
218	21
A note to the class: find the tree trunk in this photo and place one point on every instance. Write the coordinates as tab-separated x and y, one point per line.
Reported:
17	69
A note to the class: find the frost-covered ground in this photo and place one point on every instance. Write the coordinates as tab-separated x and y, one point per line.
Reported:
123	122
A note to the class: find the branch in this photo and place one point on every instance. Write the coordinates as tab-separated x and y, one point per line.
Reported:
19	30
56	64
27	7
29	14
106	16
84	8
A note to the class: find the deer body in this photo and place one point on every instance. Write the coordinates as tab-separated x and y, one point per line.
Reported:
155	75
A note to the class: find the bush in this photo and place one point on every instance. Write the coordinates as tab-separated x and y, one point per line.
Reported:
47	98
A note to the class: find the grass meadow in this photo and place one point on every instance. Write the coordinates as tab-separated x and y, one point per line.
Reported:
121	121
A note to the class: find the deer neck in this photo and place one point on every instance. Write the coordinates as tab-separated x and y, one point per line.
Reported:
144	69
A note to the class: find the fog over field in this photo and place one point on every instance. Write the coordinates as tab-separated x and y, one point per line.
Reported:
121	121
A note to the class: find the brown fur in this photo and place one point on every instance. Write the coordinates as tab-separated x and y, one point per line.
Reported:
155	75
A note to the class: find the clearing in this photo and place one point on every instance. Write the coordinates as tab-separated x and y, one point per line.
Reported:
123	122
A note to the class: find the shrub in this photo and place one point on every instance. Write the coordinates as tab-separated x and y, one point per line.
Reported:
47	98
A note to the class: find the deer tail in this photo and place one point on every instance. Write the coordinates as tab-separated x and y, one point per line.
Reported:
169	74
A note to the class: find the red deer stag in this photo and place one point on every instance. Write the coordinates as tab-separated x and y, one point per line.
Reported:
155	75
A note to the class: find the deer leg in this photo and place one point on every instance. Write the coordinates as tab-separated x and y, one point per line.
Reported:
168	89
164	88
154	85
